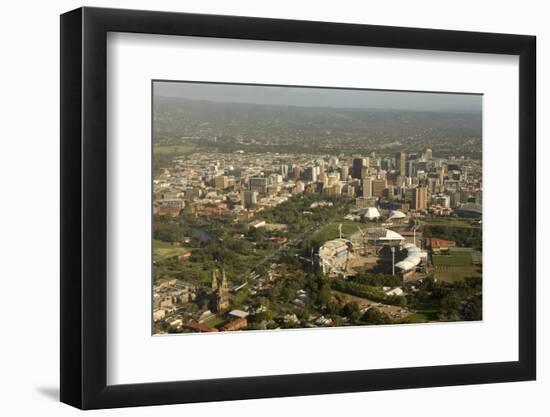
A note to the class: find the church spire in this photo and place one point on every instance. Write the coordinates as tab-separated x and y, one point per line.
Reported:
224	280
214	280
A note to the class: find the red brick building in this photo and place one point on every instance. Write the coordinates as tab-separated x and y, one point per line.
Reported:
236	324
437	244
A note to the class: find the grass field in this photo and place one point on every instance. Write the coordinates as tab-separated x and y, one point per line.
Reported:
163	250
450	222
330	231
456	274
173	149
452	259
425	312
455	266
215	321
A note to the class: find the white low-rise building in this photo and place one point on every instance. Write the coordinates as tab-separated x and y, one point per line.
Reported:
397	291
370	213
396	215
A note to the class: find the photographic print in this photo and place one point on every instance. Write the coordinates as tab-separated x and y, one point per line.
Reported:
281	207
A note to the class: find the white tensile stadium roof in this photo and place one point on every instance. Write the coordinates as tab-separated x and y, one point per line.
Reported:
369	212
412	260
407	264
391	235
396	214
378	234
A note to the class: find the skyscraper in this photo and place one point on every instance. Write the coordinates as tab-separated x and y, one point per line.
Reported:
400	158
421	198
378	186
418	197
333	178
357	167
310	174
221	182
364	172
411	168
345	172
455	199
367	187
297	172
389	192
440	174
258	184
249	198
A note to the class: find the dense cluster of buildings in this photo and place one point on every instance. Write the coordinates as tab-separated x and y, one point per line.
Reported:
391	190
169	295
242	184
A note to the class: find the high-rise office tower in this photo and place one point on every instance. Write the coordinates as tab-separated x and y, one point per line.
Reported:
400	158
258	184
221	182
297	172
421	198
411	168
364	172
345	172
357	166
440	174
377	187
390	192
367	187
310	174
455	199
249	198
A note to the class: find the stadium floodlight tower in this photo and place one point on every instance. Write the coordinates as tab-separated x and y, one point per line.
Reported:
392	260
363	240
414	236
414	231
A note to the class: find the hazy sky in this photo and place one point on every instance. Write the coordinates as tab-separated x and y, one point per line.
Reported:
320	97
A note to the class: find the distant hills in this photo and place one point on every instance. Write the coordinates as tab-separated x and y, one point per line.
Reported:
258	127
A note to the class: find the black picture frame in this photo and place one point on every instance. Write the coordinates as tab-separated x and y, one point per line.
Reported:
84	207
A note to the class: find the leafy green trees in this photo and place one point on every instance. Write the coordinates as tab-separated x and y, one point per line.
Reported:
359	290
374	316
352	312
378	280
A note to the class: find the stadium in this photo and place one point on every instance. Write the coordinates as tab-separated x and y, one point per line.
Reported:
374	249
469	210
